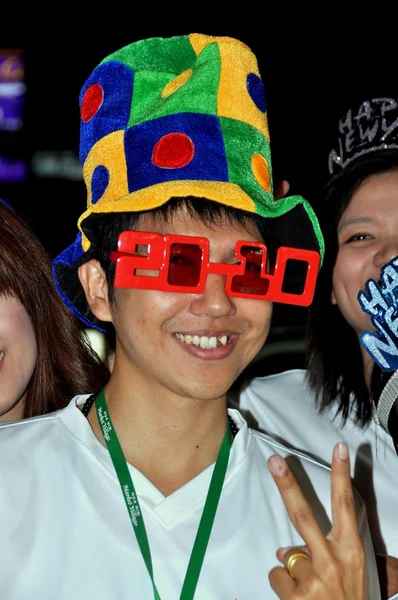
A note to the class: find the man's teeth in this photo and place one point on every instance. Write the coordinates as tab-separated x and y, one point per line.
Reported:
203	341
2	355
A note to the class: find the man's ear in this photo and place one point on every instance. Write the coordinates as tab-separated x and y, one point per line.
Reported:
333	298
93	279
281	189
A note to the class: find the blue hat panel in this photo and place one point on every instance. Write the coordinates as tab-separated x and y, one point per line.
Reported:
105	104
180	146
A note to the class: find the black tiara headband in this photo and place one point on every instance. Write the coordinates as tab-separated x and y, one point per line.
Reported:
372	126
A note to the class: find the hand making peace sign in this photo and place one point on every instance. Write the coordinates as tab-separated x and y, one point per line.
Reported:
326	568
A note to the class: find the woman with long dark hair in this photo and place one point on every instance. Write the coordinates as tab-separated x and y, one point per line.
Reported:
45	355
332	399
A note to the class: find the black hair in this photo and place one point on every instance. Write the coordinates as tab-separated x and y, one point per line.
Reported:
335	369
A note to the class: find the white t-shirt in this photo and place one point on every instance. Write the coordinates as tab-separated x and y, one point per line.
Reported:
66	534
283	406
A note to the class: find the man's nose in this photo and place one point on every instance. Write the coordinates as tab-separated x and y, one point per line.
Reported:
214	301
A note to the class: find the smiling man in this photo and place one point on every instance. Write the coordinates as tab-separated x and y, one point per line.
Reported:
153	488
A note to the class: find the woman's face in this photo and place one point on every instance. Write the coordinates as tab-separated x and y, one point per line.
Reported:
18	355
368	239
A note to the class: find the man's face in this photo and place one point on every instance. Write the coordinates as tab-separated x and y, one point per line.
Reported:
195	345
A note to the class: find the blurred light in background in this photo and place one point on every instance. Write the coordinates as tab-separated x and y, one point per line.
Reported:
13	166
98	342
12	89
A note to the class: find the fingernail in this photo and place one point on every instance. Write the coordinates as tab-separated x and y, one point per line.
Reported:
277	465
342	451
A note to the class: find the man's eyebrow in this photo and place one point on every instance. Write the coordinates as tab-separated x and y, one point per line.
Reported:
232	255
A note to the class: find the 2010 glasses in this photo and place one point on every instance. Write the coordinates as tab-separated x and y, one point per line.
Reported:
179	263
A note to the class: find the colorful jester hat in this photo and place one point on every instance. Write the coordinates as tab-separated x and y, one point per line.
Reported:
179	116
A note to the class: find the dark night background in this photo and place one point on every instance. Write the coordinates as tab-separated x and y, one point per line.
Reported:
310	81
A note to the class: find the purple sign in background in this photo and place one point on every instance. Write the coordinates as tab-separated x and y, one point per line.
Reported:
12	90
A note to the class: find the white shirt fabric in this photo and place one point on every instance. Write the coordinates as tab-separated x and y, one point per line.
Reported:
66	533
282	405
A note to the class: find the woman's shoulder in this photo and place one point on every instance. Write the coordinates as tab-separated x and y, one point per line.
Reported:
283	405
286	385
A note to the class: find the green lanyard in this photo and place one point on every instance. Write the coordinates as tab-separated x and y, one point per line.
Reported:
134	510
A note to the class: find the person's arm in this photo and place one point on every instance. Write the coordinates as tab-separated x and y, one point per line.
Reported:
334	567
384	392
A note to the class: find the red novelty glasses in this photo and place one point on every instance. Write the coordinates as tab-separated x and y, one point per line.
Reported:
180	263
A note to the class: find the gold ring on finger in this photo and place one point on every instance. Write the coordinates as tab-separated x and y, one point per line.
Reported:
292	560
